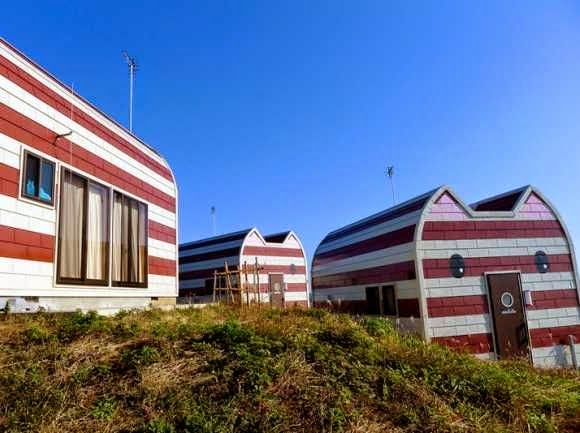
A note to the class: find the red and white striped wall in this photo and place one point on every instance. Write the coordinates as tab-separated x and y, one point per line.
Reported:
499	234
35	108
281	253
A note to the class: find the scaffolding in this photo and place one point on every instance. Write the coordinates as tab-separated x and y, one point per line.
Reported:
233	286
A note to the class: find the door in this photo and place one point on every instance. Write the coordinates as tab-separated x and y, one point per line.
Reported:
381	300
277	290
508	316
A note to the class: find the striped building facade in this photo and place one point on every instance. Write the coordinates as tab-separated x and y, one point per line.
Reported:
443	261
88	216
280	255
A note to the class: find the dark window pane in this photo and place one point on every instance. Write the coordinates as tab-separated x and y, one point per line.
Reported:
457	266
389	301
373	301
47	181
542	262
32	176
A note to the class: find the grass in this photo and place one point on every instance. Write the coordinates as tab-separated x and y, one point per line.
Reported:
224	370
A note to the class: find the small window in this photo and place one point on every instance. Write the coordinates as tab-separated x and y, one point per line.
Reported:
542	262
38	181
457	266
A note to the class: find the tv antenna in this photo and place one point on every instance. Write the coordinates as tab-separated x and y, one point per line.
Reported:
390	172
132	64
212	212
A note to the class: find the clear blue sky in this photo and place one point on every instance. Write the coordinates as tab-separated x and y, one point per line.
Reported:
284	114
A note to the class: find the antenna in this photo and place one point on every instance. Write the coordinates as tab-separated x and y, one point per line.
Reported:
132	64
212	212
390	172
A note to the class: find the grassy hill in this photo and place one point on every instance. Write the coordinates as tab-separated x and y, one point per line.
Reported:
222	370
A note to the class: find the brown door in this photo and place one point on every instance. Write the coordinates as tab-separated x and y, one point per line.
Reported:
277	290
373	300
507	312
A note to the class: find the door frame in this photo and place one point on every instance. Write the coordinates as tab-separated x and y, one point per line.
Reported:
490	309
282	288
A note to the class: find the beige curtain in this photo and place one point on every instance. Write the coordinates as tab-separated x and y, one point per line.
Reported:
129	240
97	232
142	242
133	230
71	226
117	237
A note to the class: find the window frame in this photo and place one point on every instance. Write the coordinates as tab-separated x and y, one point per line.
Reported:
83	281
41	160
145	283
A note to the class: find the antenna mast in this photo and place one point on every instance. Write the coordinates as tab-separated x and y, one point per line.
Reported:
212	212
132	64
390	172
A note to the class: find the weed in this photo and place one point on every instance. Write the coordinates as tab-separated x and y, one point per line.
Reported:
104	409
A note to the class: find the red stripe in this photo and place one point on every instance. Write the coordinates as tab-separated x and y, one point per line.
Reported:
386	240
160	266
547	337
377	275
477	304
290	287
474	267
161	232
272	252
408	308
26	245
472	343
27	131
457	305
51	98
456	230
208	273
9	178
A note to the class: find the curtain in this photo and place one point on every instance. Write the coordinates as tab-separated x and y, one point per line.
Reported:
117	237
142	242
71	226
97	232
129	240
133	230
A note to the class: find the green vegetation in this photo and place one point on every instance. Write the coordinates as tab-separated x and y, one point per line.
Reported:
223	370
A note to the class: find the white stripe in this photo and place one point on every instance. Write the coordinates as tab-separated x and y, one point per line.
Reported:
554	356
376	230
20	277
387	256
274	260
34	109
79	103
459	325
209	264
553	317
406	289
443	287
9	151
263	279
161	249
23	215
295	296
211	248
161	215
492	247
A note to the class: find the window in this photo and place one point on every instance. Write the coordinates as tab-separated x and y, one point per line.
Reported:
38	181
542	262
389	301
83	242
457	266
129	242
381	300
